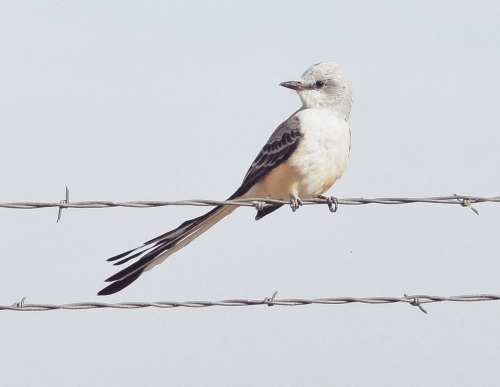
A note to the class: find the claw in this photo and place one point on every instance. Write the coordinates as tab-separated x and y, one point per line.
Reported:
332	202
295	203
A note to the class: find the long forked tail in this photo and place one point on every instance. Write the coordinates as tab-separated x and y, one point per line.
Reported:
155	251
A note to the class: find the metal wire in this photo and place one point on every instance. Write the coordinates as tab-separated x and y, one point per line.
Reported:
463	200
414	300
258	203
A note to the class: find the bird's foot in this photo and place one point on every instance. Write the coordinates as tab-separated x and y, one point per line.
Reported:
331	201
295	203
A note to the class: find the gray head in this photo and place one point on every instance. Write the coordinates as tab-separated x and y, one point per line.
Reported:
324	86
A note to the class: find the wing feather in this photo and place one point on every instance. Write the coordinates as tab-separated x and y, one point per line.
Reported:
278	149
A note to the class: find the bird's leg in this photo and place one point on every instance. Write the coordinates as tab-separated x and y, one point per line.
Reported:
295	203
332	202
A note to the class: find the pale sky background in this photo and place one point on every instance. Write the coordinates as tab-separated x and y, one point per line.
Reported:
159	100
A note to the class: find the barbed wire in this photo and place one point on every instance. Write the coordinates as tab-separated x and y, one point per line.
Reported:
258	203
414	300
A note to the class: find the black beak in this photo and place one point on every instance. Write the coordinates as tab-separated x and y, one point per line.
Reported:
294	85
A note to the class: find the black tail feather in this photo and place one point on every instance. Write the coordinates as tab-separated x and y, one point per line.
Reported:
136	266
119	285
147	254
185	226
128	258
116	257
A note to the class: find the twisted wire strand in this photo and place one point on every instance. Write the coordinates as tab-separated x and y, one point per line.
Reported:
463	200
414	300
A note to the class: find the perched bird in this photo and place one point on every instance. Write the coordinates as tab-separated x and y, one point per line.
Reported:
302	159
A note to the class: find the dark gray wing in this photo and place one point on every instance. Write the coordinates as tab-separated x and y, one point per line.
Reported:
278	149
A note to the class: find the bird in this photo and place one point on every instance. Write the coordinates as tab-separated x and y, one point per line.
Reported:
302	159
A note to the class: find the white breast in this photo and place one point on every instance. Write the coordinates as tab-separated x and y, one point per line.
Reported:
323	152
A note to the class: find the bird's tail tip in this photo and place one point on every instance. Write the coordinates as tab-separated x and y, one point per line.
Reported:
118	285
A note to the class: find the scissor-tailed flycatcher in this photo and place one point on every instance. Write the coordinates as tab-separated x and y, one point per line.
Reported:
302	159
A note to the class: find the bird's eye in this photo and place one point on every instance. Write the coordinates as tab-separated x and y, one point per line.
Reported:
319	84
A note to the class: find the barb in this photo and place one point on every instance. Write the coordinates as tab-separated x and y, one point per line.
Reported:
258	203
64	201
413	300
465	202
416	302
